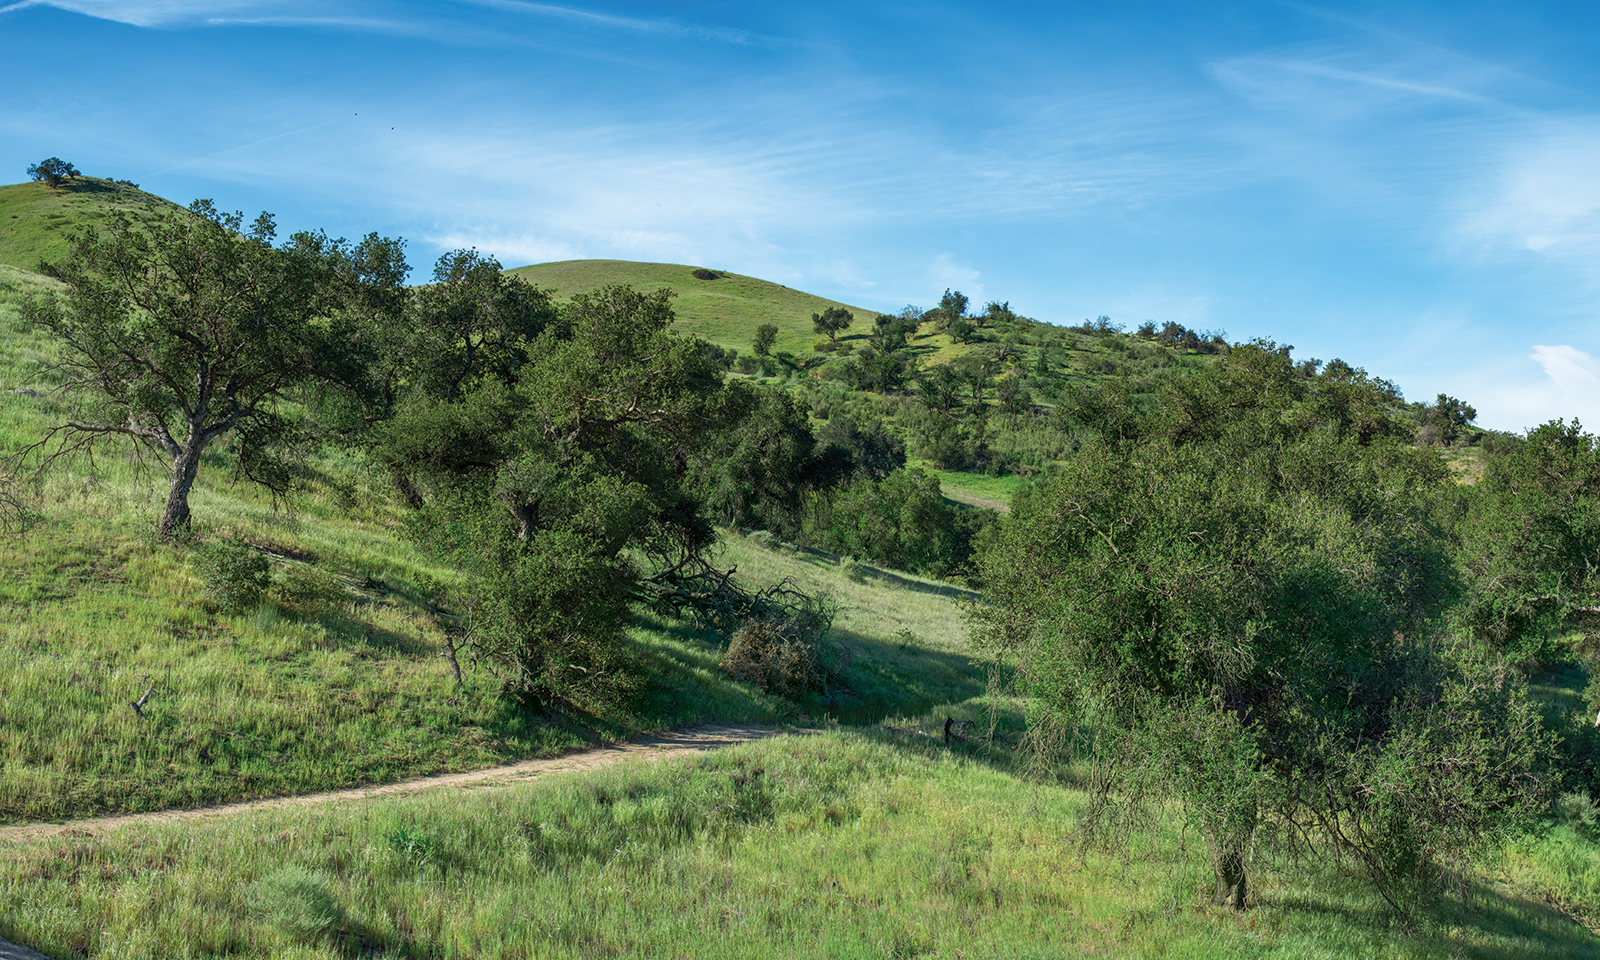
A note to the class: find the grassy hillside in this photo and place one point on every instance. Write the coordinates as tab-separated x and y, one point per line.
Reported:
35	220
339	680
851	844
725	311
872	840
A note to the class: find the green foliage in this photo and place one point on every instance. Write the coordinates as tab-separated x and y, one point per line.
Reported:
1234	597
235	576
901	520
1530	545
757	467
177	329
766	336
54	172
832	322
540	481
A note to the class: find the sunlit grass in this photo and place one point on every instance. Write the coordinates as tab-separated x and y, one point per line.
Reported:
837	845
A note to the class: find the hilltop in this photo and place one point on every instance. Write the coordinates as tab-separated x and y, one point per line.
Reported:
35	219
725	311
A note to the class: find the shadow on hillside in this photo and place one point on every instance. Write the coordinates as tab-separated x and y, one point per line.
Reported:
889	679
886	577
917	586
88	185
1487	912
354	631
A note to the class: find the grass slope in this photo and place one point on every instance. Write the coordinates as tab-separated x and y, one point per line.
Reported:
35	220
867	842
341	687
842	845
725	311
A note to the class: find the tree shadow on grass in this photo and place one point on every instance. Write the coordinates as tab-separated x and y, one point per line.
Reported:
352	631
889	679
1521	924
87	185
893	579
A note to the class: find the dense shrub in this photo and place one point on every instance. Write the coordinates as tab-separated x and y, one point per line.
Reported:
234	575
787	652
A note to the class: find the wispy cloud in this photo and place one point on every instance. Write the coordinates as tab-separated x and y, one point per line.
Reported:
153	13
1573	371
946	273
670	27
1541	195
1560	381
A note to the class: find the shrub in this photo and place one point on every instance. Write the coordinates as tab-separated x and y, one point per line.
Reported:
786	653
852	570
297	902
701	273
235	576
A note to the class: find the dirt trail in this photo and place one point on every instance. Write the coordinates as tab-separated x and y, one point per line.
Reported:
686	740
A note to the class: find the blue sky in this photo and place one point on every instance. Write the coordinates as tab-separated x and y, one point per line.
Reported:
1413	188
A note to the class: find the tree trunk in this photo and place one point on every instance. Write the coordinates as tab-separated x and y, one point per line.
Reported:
185	467
1232	889
408	490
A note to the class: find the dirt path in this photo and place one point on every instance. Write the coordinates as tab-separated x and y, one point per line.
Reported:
687	740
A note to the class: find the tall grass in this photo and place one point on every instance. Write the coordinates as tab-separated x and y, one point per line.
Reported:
840	845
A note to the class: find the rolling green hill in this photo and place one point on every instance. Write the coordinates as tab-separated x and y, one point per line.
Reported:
725	311
35	220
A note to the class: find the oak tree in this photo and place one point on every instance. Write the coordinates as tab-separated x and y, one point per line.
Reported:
177	329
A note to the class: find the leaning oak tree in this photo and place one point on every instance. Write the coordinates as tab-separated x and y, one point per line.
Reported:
179	328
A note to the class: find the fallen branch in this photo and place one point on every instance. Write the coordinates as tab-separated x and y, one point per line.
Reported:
138	705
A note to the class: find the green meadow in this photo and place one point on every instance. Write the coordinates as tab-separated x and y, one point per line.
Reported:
851	843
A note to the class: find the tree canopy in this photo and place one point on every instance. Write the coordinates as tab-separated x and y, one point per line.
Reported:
53	171
182	327
1236	603
832	321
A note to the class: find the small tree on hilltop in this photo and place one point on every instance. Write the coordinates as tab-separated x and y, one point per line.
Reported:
954	304
831	321
54	172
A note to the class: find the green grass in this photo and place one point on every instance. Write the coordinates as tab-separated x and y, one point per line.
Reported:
725	311
278	701
842	845
978	489
907	641
864	843
35	220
